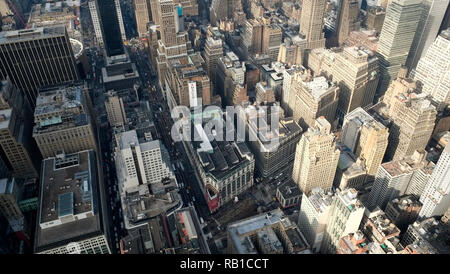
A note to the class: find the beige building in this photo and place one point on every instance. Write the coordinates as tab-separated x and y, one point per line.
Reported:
311	98
264	93
154	8
348	19
366	138
143	14
316	158
115	110
271	40
311	22
213	51
189	7
63	121
413	119
353	69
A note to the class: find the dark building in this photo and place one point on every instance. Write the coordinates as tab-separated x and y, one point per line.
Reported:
110	26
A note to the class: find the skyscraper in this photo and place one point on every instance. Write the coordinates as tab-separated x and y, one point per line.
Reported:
348	19
224	9
436	196
397	34
271	40
213	51
433	70
53	61
366	138
316	158
17	147
413	118
311	22
109	21
143	14
155	11
433	12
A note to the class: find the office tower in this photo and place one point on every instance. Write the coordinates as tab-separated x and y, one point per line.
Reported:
375	18
188	82
396	178
270	160
289	76
213	51
70	208
18	149
230	72
366	138
115	110
436	196
311	98
95	21
268	233
433	12
433	70
173	42
252	36
189	7
397	34
313	216
224	9
271	40
311	22
344	217
412	117
140	162
53	61
143	15
120	19
63	122
155	11
233	162
353	69
403	211
109	22
348	20
316	158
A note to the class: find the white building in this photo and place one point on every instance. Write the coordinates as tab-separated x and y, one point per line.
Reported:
140	163
436	196
433	69
345	216
313	217
96	21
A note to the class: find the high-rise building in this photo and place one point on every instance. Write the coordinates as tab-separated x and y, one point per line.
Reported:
316	158
155	11
397	34
10	192
436	195
348	20
430	234
140	162
311	98
344	217
230	72
252	36
403	211
396	178
366	138
433	70
95	21
53	62
270	159
188	7
18	149
111	23
375	18
433	12
353	69
63	122
213	51
115	110
224	9
312	22
313	216
413	118
271	40
143	15
70	216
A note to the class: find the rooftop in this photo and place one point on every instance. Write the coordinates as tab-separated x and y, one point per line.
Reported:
14	36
